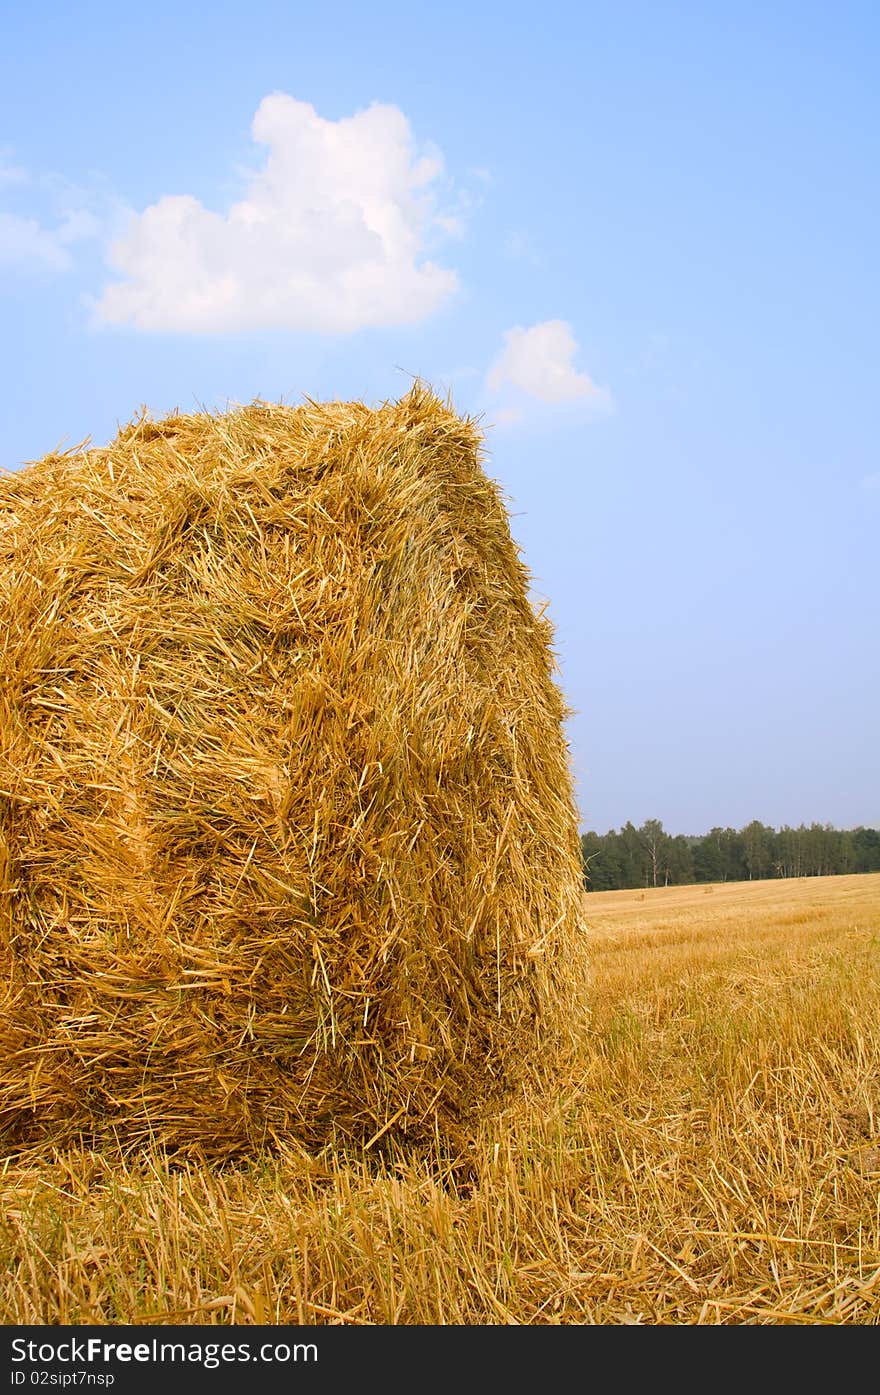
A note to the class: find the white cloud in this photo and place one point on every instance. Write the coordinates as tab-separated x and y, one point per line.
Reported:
538	362
519	247
38	238
328	236
10	173
508	416
871	482
25	245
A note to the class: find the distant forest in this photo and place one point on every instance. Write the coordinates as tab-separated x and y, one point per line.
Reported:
649	856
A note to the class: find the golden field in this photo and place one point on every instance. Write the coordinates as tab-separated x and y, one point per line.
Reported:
711	1155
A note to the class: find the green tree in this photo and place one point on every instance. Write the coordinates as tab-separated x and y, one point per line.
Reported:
654	841
758	841
632	857
679	862
649	856
602	870
866	845
708	858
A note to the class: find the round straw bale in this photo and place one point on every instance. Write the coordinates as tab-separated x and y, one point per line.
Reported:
287	839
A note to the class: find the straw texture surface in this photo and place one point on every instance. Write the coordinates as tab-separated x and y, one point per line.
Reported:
287	839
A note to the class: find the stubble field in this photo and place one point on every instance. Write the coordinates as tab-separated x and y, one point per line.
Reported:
712	1154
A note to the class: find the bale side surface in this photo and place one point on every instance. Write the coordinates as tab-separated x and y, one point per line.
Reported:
287	838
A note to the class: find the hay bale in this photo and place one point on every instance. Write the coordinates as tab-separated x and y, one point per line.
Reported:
287	839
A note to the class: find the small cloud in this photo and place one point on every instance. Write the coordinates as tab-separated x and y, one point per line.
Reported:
480	172
453	224
10	173
538	362
518	246
78	226
871	482
38	238
27	246
329	237
508	416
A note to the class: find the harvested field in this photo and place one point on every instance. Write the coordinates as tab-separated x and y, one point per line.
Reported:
713	1156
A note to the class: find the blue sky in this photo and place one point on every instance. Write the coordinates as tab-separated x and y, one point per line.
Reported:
640	239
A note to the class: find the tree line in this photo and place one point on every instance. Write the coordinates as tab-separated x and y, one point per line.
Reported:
649	856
